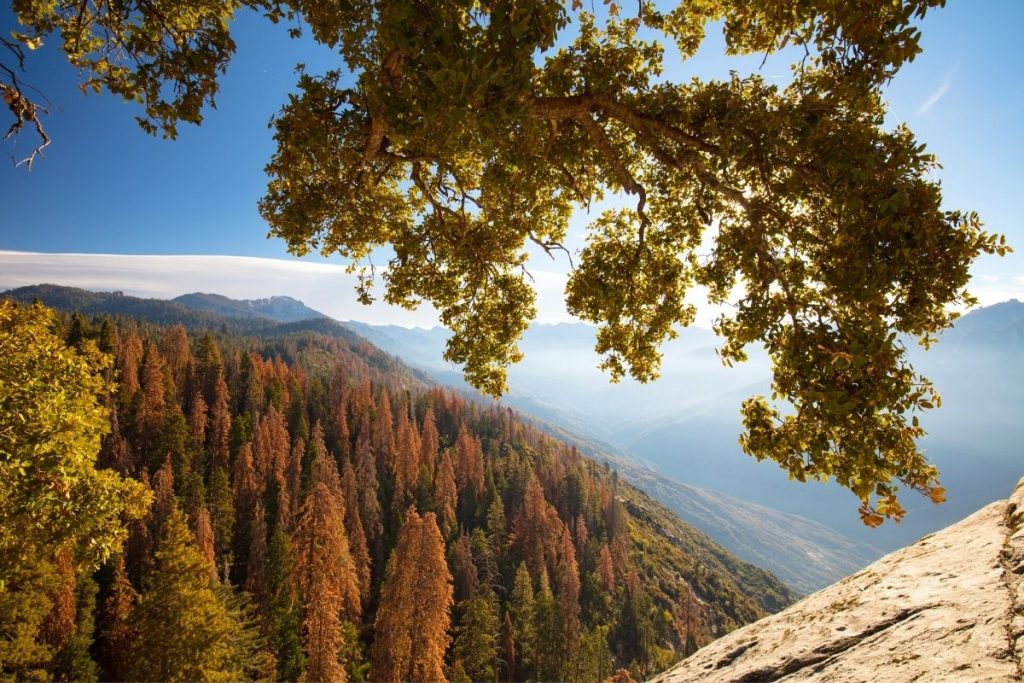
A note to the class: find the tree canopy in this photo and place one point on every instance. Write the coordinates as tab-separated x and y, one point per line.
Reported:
52	495
457	133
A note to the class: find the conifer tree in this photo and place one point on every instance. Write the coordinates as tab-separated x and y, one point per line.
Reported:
115	452
429	442
535	532
219	434
294	476
411	627
327	579
469	466
283	611
129	357
176	352
183	628
210	365
247	491
163	497
353	654
323	469
606	570
354	529
446	494
342	436
197	421
486	562
222	517
464	571
689	620
149	405
521	608
369	487
204	536
406	463
476	637
115	625
73	661
256	566
172	444
509	654
59	624
593	661
568	583
384	434
497	532
548	634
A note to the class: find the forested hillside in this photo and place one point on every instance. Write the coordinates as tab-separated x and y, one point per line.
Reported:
318	511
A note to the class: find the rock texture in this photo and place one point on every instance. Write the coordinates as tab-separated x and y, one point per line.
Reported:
948	608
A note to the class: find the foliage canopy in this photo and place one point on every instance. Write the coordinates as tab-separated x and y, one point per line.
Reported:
52	496
457	132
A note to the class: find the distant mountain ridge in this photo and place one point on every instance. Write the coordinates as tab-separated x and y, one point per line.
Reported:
161	311
167	312
283	309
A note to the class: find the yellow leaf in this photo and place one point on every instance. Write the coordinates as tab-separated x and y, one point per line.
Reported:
31	42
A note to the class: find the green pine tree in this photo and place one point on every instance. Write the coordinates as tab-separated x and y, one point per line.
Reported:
476	636
524	633
186	627
593	660
548	632
284	612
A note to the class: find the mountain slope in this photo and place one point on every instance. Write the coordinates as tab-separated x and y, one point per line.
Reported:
686	424
949	607
801	552
666	549
557	383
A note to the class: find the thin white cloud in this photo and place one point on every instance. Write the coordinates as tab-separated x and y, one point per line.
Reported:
322	286
938	93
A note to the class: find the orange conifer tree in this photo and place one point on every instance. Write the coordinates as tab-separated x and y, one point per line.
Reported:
445	494
354	528
411	629
327	580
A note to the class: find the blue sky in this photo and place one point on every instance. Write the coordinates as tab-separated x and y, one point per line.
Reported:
105	187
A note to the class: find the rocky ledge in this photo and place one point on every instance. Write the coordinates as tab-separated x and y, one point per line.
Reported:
947	608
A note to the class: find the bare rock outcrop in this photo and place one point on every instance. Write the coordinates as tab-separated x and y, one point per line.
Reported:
947	608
